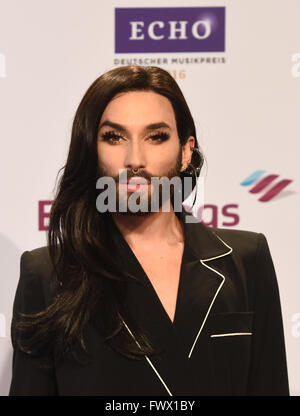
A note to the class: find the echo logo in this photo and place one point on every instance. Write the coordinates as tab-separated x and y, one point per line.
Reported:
295	70
169	29
296	325
263	183
2	66
2	326
177	30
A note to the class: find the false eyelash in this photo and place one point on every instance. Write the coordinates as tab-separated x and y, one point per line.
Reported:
161	135
111	134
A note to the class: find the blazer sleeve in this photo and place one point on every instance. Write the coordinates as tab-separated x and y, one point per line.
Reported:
30	377
268	369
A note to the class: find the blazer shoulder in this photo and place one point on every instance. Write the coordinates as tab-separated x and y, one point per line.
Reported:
36	274
251	254
248	244
39	260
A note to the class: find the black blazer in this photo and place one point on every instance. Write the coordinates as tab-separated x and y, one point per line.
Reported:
226	339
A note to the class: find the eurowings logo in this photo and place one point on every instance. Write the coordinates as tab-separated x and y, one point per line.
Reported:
263	183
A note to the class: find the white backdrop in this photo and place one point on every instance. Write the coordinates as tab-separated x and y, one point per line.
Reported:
245	102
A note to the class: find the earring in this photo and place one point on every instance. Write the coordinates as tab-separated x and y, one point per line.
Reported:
184	167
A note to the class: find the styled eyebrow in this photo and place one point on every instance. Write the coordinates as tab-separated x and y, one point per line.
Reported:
121	128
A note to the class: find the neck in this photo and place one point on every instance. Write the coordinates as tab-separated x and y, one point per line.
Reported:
155	228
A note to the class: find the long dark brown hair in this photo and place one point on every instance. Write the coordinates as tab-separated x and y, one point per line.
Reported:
87	279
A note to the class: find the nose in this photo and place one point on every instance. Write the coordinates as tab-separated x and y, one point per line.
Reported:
135	156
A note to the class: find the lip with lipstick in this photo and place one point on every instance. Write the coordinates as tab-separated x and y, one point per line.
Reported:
135	184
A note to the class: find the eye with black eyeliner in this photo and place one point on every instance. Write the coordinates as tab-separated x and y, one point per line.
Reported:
112	137
160	137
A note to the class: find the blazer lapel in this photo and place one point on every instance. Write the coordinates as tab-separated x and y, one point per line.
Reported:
201	283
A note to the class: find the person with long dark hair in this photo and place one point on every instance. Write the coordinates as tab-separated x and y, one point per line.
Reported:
142	302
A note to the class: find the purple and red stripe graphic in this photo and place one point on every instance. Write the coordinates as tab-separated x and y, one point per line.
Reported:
263	183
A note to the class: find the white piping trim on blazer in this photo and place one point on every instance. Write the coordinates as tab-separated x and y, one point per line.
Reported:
149	361
218	290
230	334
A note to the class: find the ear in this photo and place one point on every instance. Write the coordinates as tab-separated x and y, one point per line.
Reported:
187	152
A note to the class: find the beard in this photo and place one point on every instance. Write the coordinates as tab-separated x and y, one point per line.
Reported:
156	198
